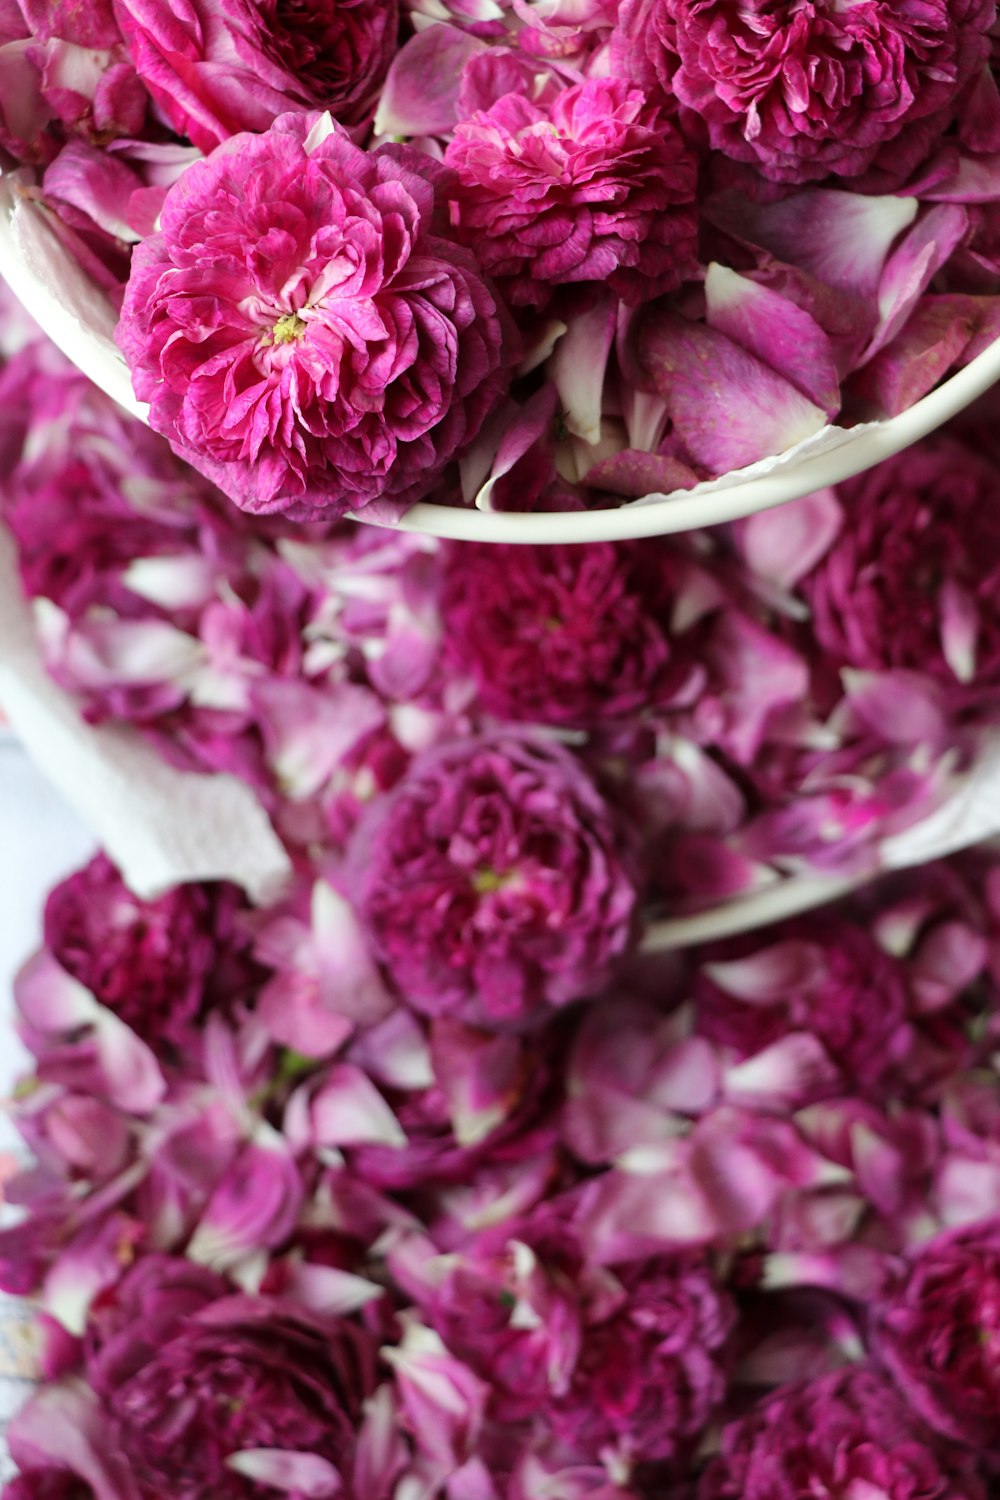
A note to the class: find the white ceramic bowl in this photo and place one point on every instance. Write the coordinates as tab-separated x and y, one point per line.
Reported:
80	320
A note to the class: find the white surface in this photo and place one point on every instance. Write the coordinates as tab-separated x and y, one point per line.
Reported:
79	319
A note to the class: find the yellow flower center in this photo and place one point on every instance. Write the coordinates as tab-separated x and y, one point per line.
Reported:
288	329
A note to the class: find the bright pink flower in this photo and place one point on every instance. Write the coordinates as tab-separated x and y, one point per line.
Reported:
216	67
160	965
811	91
843	1434
301	329
495	881
597	186
938	1334
911	584
571	635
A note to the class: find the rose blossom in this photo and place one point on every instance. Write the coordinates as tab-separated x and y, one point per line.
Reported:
567	635
912	582
156	964
303	332
495	880
597	186
843	1434
651	1371
938	1333
807	91
200	1387
216	67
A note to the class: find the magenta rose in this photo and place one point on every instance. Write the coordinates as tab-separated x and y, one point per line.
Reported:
567	635
216	67
496	881
596	186
820	975
652	1371
912	581
157	964
844	1434
938	1334
205	1392
303	332
805	92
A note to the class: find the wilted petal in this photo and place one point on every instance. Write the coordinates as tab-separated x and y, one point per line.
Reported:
728	408
346	1109
784	544
306	1476
420	93
771	974
909	365
255	1206
909	270
63	1427
481	1076
577	369
903	708
776	331
842	239
444	1401
786	1075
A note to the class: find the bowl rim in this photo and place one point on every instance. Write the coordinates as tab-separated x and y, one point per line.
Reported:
95	354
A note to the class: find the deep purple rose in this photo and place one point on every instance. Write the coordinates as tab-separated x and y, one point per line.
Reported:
216	67
596	186
652	1371
938	1334
496	881
912	582
157	964
568	635
820	975
809	91
302	330
207	1392
844	1434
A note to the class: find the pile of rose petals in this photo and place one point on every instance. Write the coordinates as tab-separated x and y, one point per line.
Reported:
528	254
731	1227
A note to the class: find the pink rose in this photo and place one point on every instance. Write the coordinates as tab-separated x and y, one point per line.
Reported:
495	881
570	635
159	965
843	1434
806	92
938	1334
301	330
597	186
216	67
911	584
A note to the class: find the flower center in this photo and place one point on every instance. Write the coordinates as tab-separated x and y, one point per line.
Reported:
288	329
485	881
